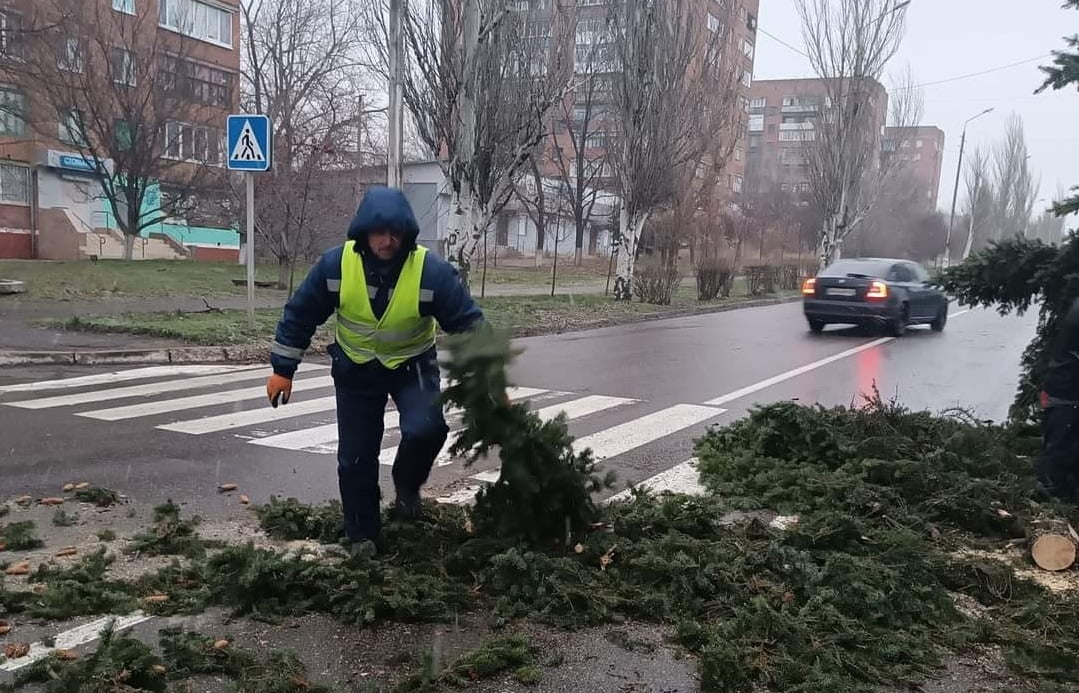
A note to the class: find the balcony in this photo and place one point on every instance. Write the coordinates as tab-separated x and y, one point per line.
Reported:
797	126
801	108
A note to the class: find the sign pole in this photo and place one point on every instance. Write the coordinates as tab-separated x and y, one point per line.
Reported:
250	249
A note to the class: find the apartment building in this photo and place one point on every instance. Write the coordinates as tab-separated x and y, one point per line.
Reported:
573	35
921	151
51	204
783	118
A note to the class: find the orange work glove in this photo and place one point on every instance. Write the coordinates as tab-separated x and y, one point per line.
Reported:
278	389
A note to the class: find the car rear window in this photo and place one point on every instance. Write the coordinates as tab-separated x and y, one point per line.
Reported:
868	268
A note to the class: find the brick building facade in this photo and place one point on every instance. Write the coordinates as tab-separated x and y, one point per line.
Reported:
783	114
921	149
51	206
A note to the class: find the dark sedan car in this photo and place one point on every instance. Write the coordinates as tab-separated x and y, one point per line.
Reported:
887	293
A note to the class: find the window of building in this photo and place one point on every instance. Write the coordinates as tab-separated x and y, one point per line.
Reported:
713	22
748	49
187	142
14	184
919	144
758	103
739	154
747	78
595	140
70	57
10	33
198	82
789	101
590	3
736	184
12	112
754	142
197	20
73	128
125	6
756	123
123	67
745	104
124	134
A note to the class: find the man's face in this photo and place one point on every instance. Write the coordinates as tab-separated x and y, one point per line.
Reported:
384	245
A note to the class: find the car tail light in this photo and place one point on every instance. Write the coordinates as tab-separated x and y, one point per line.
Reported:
877	291
809	288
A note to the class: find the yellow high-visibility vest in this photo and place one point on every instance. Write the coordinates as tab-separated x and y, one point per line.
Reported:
402	333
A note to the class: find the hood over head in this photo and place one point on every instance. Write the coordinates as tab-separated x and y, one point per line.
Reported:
384	208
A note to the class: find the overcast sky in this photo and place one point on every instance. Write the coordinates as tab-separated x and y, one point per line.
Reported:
951	38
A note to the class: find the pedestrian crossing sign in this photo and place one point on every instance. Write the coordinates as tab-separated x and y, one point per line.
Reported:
249	143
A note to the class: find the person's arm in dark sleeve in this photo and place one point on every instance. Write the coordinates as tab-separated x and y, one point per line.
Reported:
452	304
312	304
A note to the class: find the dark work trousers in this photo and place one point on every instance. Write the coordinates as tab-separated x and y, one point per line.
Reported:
1058	468
362	393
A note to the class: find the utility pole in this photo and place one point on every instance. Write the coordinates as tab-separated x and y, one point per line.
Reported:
955	195
394	173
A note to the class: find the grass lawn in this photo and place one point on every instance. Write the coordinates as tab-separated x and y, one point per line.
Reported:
522	315
590	272
137	279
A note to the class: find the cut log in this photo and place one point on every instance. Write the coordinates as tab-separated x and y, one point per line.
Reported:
1052	545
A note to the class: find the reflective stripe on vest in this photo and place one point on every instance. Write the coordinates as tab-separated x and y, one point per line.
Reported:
402	333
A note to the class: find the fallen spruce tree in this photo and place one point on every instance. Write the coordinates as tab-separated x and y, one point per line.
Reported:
903	552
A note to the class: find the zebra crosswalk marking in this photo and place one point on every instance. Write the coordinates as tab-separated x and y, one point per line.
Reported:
323	439
121	376
148	389
135	411
650	427
251	417
388	455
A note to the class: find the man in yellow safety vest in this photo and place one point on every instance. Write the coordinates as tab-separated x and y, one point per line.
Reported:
388	293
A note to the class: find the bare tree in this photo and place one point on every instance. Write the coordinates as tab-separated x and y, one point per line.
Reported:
979	198
664	53
1015	184
124	95
849	43
480	80
584	116
301	66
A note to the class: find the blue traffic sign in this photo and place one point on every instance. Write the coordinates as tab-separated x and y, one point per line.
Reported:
249	146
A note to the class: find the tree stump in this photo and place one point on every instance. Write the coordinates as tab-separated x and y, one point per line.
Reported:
1053	545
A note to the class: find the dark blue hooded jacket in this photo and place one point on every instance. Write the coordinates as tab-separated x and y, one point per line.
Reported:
442	294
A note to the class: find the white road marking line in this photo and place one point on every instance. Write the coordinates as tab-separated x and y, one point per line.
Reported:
148	389
251	417
575	409
388	455
75	637
633	434
323	439
648	428
682	478
136	411
121	376
782	377
320	439
488	477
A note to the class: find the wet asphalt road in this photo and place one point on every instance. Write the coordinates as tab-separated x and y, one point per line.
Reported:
683	375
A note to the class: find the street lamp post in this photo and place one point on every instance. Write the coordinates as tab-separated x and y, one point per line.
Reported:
955	194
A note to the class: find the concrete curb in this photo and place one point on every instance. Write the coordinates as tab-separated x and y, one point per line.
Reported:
229	354
256	353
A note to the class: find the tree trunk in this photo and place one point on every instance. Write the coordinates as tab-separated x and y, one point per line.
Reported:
129	246
284	269
631	235
459	228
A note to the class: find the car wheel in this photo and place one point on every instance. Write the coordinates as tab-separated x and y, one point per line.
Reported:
941	320
817	326
897	327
